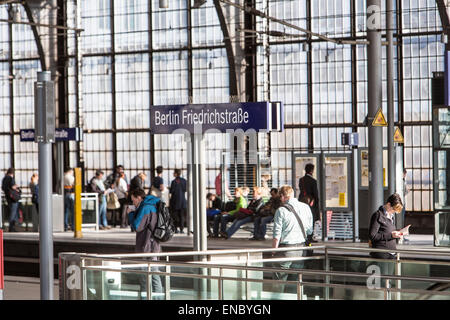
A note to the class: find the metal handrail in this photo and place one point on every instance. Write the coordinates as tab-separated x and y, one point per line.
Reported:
300	284
140	260
408	251
199	253
434	252
193	275
263	269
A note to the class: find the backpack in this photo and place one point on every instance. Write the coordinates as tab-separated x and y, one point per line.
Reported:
112	202
164	229
15	195
89	186
109	180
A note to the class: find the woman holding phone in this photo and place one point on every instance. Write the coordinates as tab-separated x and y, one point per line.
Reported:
383	234
382	231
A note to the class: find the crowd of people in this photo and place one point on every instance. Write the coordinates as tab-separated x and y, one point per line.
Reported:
114	196
293	218
260	211
224	218
115	201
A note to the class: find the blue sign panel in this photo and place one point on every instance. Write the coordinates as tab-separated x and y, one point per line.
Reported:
61	134
198	118
349	139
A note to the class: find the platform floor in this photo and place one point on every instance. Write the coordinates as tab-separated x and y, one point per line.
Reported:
121	237
27	288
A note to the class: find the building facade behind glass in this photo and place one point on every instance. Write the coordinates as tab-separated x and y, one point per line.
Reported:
134	54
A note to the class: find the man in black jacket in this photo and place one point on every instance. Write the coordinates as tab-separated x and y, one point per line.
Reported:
114	176
8	187
178	203
138	181
308	187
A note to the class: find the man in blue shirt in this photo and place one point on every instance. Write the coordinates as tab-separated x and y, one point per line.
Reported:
288	233
98	186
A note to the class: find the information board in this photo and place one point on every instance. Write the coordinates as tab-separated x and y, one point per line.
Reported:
299	162
364	168
336	181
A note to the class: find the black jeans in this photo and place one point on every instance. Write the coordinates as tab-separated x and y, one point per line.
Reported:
123	213
179	218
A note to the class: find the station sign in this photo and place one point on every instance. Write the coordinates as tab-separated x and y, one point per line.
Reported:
61	134
259	116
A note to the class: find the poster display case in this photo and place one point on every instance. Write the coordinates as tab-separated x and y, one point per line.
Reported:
299	161
334	180
441	175
336	186
363	170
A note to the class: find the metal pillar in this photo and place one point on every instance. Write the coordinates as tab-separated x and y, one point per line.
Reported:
375	102
194	194
190	212
399	184
202	194
356	174
45	205
199	192
390	95
60	168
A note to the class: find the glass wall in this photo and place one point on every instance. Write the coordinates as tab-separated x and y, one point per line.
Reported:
19	64
135	54
337	78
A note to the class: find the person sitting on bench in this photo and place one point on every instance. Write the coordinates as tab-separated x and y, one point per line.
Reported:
245	215
265	215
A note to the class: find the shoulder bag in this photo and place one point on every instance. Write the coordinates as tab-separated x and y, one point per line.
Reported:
291	209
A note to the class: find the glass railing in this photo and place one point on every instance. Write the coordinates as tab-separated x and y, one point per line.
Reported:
330	274
89	210
442	229
29	218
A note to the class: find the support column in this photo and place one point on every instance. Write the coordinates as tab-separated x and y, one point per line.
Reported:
60	169
390	96
45	199
198	192
356	173
375	100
